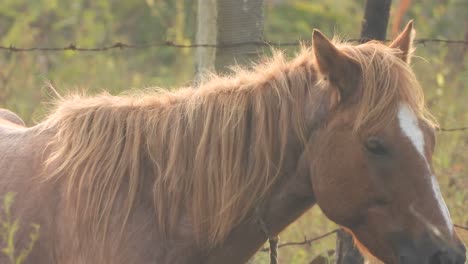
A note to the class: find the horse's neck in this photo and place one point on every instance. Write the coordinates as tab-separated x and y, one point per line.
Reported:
289	199
246	239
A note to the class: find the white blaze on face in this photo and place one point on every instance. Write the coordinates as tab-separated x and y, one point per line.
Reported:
410	127
442	205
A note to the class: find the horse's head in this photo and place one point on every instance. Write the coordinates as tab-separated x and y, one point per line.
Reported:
371	168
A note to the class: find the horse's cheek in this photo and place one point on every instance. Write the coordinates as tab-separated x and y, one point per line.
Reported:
338	185
330	196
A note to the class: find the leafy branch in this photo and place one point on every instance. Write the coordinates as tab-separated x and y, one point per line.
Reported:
8	229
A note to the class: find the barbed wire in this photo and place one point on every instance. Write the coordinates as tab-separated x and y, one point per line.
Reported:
461	227
309	241
171	44
442	129
306	241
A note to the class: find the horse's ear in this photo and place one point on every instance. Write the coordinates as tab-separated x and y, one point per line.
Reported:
335	66
404	42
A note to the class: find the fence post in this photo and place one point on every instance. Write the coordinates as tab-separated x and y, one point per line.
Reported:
375	22
227	22
238	21
346	252
374	26
206	34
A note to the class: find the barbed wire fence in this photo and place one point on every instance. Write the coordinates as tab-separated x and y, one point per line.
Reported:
122	45
310	241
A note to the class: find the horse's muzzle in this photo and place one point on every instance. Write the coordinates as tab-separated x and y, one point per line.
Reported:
448	257
439	257
431	252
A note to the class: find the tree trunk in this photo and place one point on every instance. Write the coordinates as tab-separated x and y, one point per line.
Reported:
374	26
238	22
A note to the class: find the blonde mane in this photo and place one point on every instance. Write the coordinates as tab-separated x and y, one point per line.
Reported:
213	152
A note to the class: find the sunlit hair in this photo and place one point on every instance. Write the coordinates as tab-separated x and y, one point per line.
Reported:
212	152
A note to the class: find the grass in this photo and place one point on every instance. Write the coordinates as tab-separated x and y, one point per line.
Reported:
9	227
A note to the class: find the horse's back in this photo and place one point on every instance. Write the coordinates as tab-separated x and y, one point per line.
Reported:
19	151
8	118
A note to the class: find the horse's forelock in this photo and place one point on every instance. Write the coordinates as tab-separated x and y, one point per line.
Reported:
386	83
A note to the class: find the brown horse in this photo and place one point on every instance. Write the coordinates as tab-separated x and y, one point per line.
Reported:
188	176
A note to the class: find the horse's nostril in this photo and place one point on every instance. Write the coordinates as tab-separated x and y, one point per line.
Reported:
444	257
461	257
440	257
404	260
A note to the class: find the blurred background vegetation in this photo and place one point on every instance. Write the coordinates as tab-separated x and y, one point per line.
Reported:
440	67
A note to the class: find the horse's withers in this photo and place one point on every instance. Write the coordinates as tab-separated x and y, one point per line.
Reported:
9	118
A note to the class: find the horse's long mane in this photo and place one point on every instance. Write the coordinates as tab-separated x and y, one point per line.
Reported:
211	152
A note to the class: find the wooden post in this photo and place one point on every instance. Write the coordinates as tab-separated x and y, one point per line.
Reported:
346	251
227	22
374	26
375	22
238	22
206	34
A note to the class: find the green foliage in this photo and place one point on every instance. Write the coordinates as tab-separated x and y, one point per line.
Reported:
51	23
441	68
8	229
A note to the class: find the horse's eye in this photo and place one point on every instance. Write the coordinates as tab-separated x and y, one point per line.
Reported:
375	146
